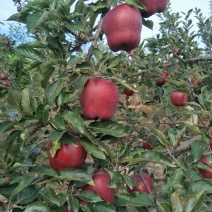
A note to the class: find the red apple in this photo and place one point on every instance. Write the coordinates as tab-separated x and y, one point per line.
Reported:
178	98
128	92
125	139
141	187
69	156
196	82
147	146
99	99
6	83
101	180
122	27
161	80
3	76
81	202
205	173
152	6
131	52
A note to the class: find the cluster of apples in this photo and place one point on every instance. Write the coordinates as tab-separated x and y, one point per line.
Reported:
122	25
5	82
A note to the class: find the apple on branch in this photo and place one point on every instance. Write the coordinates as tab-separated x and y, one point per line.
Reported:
178	98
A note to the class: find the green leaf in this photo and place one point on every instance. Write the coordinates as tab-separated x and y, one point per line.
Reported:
89	196
55	135
138	199
195	201
32	20
197	148
74	203
165	207
53	90
50	196
58	123
109	128
148	23
136	4
43	170
25	101
42	113
37	206
13	100
28	194
25	181
160	136
6	125
37	90
75	120
92	149
76	175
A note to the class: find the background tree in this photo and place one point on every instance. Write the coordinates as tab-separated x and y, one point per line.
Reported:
68	49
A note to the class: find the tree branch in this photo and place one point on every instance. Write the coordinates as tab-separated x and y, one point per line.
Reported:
94	43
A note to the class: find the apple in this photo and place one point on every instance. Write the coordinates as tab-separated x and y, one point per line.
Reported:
3	76
69	156
152	6
6	83
161	81
101	180
141	187
178	98
205	173
125	139
122	27
131	52
82	202
147	146
128	92
99	99
196	82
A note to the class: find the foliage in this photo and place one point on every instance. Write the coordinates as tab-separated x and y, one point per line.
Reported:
49	73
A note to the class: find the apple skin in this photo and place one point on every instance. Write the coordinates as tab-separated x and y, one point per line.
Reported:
147	146
3	76
205	173
141	187
101	180
69	156
152	6
128	92
161	81
196	82
99	99
178	98
122	26
6	83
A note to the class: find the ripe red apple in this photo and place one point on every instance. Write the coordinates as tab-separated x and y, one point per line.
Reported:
3	76
99	99
128	92
152	6
101	180
69	156
122	27
178	98
161	80
205	173
141	187
6	83
81	202
196	82
147	146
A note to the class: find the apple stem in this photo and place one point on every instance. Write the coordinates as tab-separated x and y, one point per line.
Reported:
149	190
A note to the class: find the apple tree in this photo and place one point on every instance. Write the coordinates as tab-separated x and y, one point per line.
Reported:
97	129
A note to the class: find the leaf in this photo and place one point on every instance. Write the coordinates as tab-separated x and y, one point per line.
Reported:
177	202
25	101
92	149
160	136
197	148
50	196
55	146
13	100
165	207
37	90
25	181
109	128
195	201
53	90
136	4
76	175
75	120
44	170
42	113
58	122
138	199
37	206
148	23
32	20
89	196
55	135
74	203
5	126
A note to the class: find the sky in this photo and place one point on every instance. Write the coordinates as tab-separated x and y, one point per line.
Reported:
7	8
